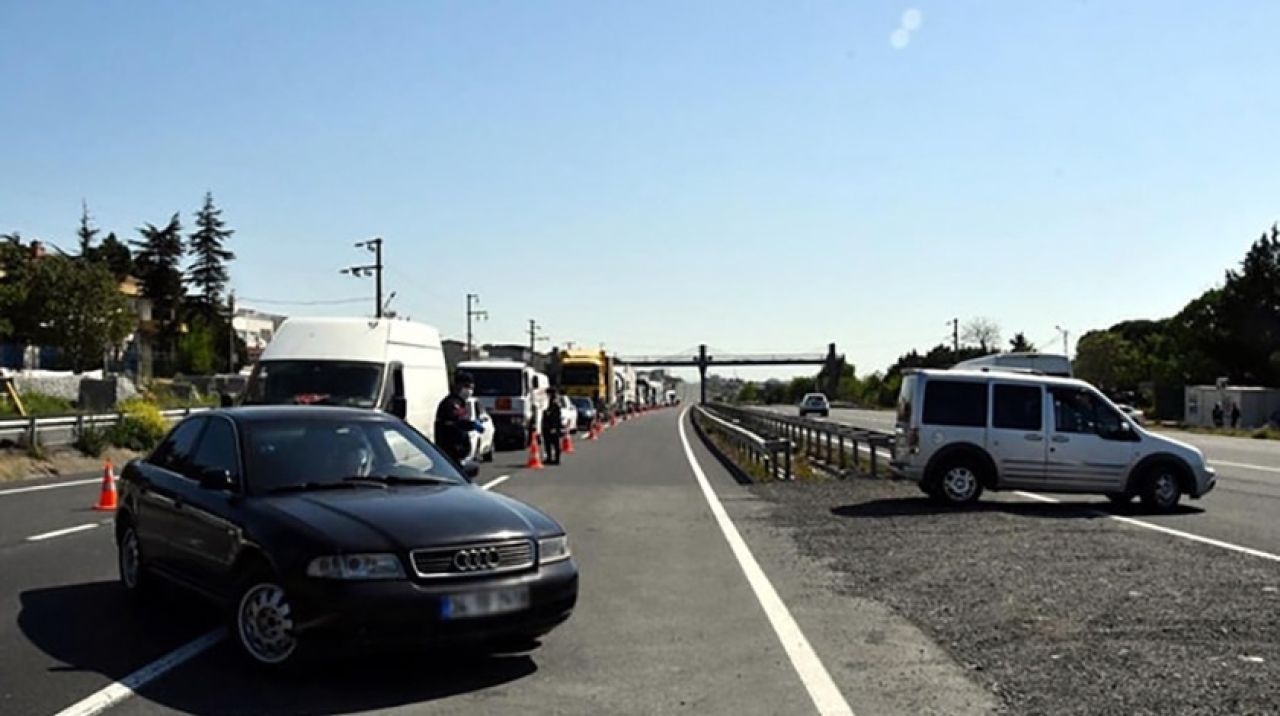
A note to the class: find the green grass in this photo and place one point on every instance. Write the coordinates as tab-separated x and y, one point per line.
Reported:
38	405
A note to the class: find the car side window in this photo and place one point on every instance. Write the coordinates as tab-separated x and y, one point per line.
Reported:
955	403
1081	412
1017	407
217	449
175	452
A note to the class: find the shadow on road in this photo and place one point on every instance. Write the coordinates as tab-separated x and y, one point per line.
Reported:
922	506
95	627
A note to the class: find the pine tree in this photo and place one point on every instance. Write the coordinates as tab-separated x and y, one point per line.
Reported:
158	265
87	232
208	272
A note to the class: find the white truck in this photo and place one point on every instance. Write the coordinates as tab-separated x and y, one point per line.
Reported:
624	382
513	393
388	364
1045	363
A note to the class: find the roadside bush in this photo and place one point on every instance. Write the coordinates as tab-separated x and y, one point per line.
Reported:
92	441
39	405
141	427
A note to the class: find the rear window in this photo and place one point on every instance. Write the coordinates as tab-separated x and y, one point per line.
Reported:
905	394
948	402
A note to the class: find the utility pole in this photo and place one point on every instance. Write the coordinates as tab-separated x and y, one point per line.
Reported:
955	336
1065	334
534	336
476	314
375	270
231	332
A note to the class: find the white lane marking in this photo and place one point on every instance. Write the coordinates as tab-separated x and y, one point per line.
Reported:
822	690
113	694
495	482
59	533
1166	530
1244	465
36	488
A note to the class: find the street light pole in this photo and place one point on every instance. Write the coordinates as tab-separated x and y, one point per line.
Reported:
1065	335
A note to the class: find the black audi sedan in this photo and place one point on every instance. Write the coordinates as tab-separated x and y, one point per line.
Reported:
314	523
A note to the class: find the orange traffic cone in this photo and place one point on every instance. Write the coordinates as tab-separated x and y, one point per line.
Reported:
591	432
535	455
566	444
108	500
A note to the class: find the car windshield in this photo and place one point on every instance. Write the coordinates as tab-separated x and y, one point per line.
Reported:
582	403
315	382
491	382
304	451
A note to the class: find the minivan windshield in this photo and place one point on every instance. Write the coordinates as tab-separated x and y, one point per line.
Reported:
492	382
315	382
306	452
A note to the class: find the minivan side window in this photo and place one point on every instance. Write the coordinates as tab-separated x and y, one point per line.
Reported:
949	402
1081	412
1017	407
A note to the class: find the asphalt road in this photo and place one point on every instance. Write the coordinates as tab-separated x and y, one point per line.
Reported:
1243	509
669	619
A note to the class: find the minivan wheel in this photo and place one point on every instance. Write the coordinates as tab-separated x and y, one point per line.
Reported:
959	483
1160	488
263	622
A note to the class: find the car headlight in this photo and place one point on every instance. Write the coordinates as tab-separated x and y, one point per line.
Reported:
356	566
553	549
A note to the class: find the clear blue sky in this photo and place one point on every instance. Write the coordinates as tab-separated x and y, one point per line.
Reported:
759	176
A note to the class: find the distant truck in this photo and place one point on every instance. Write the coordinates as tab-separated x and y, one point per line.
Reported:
624	385
388	364
1045	363
513	393
588	374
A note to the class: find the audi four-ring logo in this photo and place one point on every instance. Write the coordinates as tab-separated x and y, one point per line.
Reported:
472	560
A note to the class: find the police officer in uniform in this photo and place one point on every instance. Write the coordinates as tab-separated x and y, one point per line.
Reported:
453	419
552	428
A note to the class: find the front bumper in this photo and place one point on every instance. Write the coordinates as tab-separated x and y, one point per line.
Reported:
906	470
408	612
1206	480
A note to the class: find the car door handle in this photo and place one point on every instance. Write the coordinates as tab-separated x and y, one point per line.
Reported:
1034	437
1061	439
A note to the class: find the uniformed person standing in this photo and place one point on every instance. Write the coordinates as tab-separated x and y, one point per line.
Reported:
453	419
552	428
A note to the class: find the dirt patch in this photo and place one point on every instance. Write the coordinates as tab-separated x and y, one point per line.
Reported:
17	465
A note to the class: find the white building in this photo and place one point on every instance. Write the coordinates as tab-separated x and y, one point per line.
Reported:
256	329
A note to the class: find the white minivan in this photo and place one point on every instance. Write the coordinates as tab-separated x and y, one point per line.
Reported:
388	364
959	432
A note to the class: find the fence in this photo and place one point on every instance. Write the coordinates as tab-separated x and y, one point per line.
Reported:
840	448
63	431
763	457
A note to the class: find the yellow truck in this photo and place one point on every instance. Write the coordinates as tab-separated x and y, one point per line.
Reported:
587	374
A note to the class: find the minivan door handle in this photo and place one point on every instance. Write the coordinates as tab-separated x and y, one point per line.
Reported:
1061	439
1034	437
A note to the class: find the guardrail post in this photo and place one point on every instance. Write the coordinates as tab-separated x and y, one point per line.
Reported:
872	445
787	456
840	454
31	432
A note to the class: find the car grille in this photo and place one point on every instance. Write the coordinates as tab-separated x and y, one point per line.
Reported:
473	560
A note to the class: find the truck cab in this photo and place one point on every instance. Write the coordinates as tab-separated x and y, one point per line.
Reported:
513	394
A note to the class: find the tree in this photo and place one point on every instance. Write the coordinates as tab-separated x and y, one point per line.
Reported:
208	272
982	331
86	233
80	309
1107	360
115	255
157	263
1249	307
749	393
1020	344
196	349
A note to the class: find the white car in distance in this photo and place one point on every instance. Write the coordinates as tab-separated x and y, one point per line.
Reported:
481	440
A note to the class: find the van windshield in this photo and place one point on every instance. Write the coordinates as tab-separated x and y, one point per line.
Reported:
580	375
315	382
492	382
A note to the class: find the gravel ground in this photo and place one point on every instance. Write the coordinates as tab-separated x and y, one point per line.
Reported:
1054	608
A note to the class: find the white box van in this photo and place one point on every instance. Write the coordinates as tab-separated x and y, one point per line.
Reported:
392	365
513	393
1046	363
959	432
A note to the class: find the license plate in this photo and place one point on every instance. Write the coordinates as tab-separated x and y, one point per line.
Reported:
468	605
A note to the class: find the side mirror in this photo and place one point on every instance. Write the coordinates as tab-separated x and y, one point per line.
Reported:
471	469
226	400
216	480
399	407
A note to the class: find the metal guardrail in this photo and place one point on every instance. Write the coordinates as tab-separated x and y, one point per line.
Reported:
64	430
838	447
774	456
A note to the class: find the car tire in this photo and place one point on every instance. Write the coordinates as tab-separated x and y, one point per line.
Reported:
1161	488
958	481
262	621
488	457
137	581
